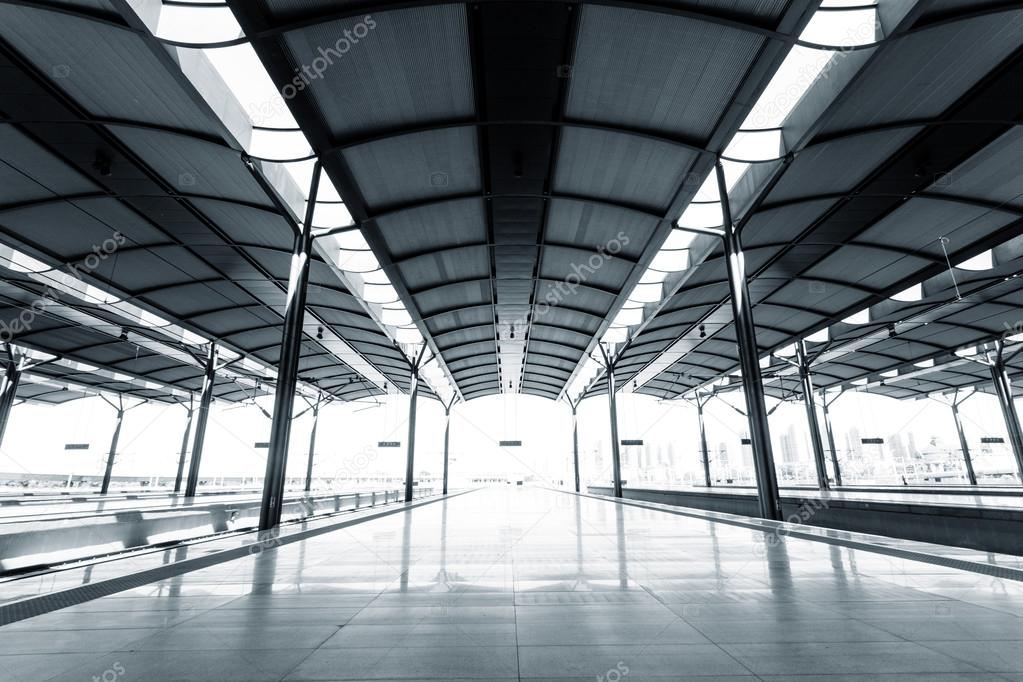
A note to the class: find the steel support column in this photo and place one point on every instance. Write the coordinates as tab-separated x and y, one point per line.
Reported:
963	444
811	415
108	472
287	367
749	361
410	453
616	455
184	447
1003	388
12	378
205	400
312	447
703	441
447	441
410	450
575	443
825	412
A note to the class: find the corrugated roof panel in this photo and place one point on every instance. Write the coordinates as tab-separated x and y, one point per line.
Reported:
194	166
925	72
875	267
452	265
816	169
109	71
920	223
457	295
420	166
400	68
29	172
572	222
991	174
620	168
433	226
456	319
656	72
589	267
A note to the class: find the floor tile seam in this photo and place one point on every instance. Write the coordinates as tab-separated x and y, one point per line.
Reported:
1006	572
37	604
961	660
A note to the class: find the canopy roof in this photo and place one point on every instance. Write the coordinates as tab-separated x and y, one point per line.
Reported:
521	170
104	139
517	165
899	169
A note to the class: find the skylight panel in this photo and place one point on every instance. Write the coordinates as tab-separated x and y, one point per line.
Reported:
786	351
755	145
702	216
819	337
354	254
409	334
377	276
982	261
842	26
628	316
647	293
395	315
281	145
670	260
861	317
652	276
615	335
196	23
380	293
330	215
913	293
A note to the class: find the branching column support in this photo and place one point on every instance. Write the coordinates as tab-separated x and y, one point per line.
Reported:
112	454
964	445
749	361
205	400
1003	389
574	406
826	413
184	445
811	415
413	396
12	379
447	440
18	363
287	369
616	455
704	450
312	443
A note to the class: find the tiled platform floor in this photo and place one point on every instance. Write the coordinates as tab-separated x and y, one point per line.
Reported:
530	584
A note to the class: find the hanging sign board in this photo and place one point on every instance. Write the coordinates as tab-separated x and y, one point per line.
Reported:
76	446
872	441
992	439
389	444
638	441
262	446
511	443
747	441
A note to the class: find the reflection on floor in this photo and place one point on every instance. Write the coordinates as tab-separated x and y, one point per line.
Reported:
531	584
